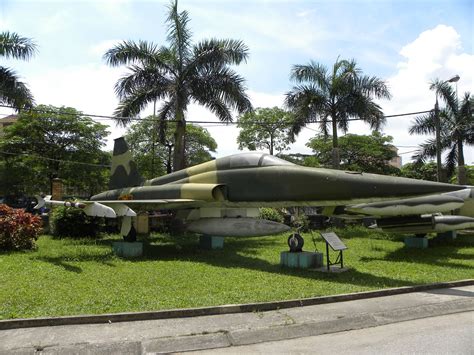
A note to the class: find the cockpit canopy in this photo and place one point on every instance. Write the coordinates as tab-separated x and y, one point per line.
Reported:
249	160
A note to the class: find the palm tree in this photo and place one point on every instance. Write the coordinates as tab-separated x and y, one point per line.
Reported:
12	90
456	129
338	95
178	75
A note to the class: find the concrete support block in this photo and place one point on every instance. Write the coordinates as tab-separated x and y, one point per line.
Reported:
210	242
448	236
416	242
127	249
443	238
301	260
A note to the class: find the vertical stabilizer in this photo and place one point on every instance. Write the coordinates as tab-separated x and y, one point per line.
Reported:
124	172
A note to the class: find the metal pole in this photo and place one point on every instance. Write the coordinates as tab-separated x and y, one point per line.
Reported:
327	254
438	140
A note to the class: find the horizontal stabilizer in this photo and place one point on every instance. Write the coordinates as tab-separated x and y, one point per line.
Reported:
409	206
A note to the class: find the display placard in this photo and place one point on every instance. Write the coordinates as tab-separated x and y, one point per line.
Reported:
333	240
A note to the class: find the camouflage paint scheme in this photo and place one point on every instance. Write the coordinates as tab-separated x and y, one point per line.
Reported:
236	185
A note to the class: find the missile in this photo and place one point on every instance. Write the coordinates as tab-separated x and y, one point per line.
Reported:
236	227
410	206
424	224
94	209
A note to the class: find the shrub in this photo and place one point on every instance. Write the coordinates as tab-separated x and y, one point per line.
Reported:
300	222
271	214
18	229
73	222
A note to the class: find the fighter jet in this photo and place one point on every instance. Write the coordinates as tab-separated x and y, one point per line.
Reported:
222	197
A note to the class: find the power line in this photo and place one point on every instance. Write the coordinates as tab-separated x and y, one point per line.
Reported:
58	160
115	118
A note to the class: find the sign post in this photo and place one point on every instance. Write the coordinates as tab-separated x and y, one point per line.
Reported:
336	244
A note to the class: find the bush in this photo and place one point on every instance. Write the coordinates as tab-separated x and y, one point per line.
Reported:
73	222
300	222
18	229
271	214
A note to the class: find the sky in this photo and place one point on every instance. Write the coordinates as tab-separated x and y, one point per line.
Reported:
406	43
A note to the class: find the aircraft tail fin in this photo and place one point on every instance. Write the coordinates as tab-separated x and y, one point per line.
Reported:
124	172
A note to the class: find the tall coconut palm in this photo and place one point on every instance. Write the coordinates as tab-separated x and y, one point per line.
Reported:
336	95
179	74
12	90
456	129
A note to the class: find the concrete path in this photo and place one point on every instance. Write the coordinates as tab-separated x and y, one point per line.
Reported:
449	334
219	331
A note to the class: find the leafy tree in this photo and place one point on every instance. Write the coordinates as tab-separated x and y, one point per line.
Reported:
456	129
178	75
265	128
12	90
368	153
199	144
302	159
335	96
421	171
42	145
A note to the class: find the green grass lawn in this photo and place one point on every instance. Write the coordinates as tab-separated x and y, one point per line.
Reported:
69	277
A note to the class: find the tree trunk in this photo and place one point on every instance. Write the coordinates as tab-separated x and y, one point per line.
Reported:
179	134
335	145
462	175
271	144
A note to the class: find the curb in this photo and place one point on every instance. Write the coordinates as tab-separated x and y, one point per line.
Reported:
226	309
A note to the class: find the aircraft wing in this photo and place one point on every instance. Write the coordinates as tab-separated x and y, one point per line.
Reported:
119	208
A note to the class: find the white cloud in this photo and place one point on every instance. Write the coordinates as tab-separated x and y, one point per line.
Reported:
54	23
435	53
100	48
87	88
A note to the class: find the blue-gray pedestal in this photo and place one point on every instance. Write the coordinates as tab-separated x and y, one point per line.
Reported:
128	249
443	238
447	236
416	242
211	242
301	260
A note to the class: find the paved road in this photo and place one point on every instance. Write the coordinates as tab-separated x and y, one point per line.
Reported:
450	334
359	319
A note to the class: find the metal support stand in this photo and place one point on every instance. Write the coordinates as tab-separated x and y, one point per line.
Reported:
336	244
339	259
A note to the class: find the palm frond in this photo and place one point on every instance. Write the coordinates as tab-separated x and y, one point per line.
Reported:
426	151
423	124
218	52
306	102
165	113
141	77
13	91
313	72
372	85
219	108
131	105
446	93
129	52
451	160
178	33
14	46
224	85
